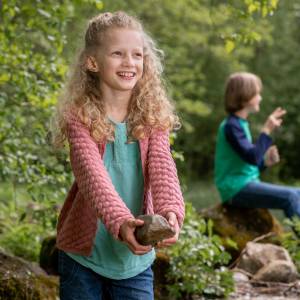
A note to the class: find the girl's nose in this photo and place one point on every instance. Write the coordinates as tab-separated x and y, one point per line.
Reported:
128	60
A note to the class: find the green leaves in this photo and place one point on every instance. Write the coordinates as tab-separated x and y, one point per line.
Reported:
32	71
291	240
263	6
32	68
197	260
248	16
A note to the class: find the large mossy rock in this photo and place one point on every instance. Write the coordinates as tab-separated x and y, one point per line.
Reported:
22	280
241	224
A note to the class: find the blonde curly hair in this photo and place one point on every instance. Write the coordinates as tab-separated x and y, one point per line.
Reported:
149	107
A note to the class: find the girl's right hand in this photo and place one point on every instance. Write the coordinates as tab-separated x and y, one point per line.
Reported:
127	235
274	120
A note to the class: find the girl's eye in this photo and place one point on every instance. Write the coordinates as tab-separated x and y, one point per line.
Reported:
139	54
117	53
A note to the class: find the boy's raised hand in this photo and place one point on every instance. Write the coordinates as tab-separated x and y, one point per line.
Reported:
127	235
274	120
272	156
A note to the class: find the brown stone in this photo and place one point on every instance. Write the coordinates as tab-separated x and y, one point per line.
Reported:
277	271
267	262
156	228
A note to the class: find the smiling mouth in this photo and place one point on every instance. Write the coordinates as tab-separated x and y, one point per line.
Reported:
126	75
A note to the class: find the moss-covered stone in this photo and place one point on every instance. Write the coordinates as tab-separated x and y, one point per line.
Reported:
241	224
22	280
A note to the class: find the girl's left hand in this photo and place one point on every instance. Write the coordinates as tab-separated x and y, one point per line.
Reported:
172	219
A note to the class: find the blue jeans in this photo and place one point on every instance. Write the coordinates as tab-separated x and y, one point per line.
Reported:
80	283
267	195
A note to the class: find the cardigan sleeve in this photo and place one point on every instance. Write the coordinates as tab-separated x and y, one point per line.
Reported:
92	178
164	183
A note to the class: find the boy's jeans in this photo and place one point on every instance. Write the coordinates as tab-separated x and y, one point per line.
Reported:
80	283
266	195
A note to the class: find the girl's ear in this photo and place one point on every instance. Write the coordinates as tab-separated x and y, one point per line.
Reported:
91	64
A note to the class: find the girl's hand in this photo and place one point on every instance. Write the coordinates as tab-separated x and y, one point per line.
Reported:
274	120
172	219
272	156
127	235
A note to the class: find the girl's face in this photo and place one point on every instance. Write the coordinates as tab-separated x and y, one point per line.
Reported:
253	105
120	59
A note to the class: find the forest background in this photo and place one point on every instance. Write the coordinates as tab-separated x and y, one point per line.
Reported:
203	41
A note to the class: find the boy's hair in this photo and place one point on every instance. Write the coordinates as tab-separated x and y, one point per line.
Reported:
241	87
149	107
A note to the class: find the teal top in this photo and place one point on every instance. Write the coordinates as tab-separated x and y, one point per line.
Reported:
111	258
232	173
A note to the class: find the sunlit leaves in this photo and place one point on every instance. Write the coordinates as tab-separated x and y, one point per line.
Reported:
246	14
229	45
32	72
265	7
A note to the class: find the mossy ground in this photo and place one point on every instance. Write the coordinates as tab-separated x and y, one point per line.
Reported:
20	281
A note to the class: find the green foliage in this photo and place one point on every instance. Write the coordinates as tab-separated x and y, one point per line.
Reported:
32	68
30	45
197	260
23	240
277	61
32	71
25	225
291	240
247	12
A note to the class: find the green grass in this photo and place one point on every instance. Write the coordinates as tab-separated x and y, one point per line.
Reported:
201	194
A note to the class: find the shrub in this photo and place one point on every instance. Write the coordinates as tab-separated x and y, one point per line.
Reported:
291	240
23	240
22	228
197	260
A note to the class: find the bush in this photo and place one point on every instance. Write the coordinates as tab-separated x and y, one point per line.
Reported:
291	240
22	228
23	240
198	261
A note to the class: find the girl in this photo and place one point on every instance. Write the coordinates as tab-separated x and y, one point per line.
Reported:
238	161
116	118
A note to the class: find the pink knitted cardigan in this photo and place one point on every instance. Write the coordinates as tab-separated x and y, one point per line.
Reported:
93	195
